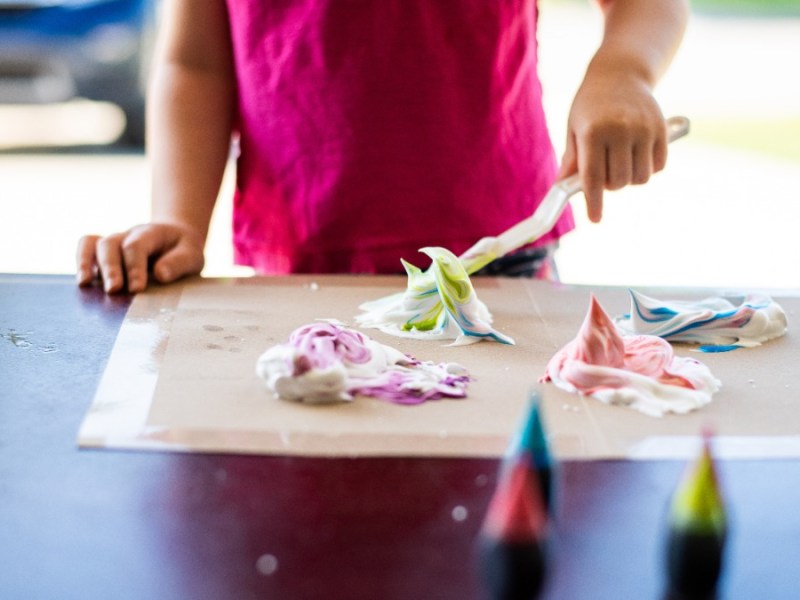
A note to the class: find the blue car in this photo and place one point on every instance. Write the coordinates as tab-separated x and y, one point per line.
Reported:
52	51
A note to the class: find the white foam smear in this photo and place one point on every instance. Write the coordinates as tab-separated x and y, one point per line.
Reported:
324	363
440	303
395	315
716	323
639	371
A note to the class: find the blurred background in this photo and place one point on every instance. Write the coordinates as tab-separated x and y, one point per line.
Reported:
725	212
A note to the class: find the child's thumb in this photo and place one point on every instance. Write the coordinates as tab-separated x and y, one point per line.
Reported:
180	261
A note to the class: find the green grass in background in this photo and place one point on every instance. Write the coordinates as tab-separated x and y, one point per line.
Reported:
733	8
778	138
767	8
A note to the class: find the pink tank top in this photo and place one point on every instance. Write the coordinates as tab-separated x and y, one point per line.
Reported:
372	128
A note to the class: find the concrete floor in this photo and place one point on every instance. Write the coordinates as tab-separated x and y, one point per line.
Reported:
717	216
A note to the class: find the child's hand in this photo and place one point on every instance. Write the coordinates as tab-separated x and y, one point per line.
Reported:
124	259
616	135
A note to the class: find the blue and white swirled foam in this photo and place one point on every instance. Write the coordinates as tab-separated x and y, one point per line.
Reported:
717	324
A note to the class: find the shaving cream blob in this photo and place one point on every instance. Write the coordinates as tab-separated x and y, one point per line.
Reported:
717	324
439	303
326	362
638	371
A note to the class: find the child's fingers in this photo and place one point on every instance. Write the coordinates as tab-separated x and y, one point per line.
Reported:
140	244
659	153
86	259
642	163
620	164
592	165
122	259
110	262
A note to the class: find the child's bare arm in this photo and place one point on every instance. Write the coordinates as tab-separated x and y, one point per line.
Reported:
190	114
616	134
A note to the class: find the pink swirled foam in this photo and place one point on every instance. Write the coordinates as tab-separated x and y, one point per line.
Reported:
639	371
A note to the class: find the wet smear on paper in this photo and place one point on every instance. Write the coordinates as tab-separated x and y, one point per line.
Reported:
230	342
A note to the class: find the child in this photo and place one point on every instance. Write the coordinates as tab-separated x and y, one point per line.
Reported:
371	128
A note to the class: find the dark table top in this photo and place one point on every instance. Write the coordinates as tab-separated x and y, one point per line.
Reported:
108	524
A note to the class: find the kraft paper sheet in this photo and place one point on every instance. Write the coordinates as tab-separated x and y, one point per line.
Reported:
181	377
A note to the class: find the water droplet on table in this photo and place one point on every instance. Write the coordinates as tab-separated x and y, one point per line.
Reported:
267	564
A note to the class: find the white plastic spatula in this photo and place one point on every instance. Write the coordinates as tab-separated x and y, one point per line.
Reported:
544	218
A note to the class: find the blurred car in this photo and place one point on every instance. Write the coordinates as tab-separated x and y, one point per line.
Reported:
53	51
